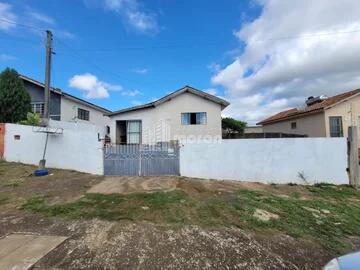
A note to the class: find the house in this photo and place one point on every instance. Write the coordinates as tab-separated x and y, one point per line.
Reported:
320	116
186	114
63	106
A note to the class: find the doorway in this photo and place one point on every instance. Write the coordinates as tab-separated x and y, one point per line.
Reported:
128	132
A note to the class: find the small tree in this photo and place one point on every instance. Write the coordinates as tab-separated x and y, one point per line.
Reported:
14	99
32	119
233	126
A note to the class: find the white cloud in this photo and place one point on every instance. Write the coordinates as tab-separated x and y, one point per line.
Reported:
213	67
7	14
131	93
29	17
92	87
42	20
211	91
141	71
139	102
153	99
7	57
136	102
65	34
40	17
294	49
134	15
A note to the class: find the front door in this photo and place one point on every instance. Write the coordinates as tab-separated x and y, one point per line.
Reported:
128	132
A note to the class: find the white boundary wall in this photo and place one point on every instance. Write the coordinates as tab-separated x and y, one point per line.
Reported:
77	148
268	160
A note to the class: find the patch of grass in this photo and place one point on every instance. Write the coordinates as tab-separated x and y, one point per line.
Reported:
3	199
328	222
168	207
10	172
329	191
295	195
329	216
13	183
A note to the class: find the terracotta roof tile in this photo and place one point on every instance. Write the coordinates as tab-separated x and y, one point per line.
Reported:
309	109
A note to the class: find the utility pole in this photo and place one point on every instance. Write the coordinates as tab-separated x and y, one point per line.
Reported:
47	77
353	156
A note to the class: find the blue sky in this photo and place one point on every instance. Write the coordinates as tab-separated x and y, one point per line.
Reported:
183	44
263	56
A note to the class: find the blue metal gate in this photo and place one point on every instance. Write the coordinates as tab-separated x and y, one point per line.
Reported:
142	159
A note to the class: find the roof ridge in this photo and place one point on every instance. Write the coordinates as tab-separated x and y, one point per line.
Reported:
280	116
61	92
185	88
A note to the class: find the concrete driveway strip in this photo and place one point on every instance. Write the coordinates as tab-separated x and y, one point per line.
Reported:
22	251
134	184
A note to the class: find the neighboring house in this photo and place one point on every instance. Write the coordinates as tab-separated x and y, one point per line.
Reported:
321	117
186	114
64	106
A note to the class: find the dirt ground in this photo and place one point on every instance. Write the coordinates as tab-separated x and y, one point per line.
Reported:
134	184
127	185
100	244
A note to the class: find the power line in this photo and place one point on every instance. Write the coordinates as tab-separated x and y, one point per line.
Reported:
100	68
23	25
169	46
305	36
64	44
317	35
177	46
166	46
208	44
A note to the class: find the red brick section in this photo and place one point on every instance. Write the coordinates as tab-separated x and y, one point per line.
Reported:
309	109
2	140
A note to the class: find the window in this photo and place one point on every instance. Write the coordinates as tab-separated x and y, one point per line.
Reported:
293	125
38	107
336	129
83	114
198	118
133	132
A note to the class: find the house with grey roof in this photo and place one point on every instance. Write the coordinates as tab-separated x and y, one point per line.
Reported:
186	114
63	106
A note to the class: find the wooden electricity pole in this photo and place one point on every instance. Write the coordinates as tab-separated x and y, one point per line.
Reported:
47	77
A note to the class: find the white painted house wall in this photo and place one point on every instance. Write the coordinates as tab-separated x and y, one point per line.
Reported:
164	121
268	160
69	113
77	148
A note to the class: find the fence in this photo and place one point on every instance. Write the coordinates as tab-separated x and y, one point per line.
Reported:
262	135
295	160
77	148
135	159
